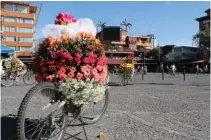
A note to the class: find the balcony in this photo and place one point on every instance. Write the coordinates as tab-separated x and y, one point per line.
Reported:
17	14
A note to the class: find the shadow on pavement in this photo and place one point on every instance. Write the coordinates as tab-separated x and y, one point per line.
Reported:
8	125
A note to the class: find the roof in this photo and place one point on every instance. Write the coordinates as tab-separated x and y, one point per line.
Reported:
208	10
203	18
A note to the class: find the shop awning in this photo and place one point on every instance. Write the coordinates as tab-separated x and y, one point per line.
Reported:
6	49
198	62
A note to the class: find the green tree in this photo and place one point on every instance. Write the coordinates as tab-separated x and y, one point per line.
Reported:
155	53
202	39
126	24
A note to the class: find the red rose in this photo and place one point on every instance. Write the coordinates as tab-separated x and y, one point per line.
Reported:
50	62
42	62
86	60
39	78
54	55
44	69
60	52
49	78
52	68
63	60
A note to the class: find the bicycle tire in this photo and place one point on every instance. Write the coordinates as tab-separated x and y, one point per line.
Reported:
23	107
24	79
102	112
7	85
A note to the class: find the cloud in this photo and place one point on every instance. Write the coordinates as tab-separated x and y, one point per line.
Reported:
168	3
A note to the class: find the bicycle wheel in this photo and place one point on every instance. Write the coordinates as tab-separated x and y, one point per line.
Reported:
93	112
7	79
29	78
50	122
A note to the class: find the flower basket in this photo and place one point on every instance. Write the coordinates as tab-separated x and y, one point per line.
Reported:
73	59
126	68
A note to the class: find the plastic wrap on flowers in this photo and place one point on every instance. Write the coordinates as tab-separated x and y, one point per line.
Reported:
78	66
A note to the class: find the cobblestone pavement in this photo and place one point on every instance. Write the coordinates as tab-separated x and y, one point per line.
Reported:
149	109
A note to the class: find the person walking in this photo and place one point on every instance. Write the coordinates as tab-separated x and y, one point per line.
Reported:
173	69
197	69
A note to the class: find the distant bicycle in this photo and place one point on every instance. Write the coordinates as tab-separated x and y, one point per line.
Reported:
29	77
8	78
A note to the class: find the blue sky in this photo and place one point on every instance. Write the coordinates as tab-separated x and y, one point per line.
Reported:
171	22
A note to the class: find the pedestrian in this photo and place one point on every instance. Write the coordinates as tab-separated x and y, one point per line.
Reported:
197	69
173	68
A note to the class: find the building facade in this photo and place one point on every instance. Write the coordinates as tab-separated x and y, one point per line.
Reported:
204	22
181	53
18	20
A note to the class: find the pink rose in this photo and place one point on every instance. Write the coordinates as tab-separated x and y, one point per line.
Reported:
99	68
62	76
60	52
92	60
72	70
90	54
79	76
86	60
78	60
85	75
94	72
54	55
71	74
49	78
101	60
63	60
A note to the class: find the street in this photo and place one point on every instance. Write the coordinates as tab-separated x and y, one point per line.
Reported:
149	109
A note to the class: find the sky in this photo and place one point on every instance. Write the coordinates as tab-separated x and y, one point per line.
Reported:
171	22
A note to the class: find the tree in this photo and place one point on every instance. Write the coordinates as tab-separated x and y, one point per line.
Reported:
126	24
155	53
101	25
202	40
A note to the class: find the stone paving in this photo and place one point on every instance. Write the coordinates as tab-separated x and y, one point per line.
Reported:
149	109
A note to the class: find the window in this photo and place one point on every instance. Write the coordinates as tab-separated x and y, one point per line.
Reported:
10	19
25	30
9	28
25	39
10	38
26	48
205	21
9	7
22	9
25	20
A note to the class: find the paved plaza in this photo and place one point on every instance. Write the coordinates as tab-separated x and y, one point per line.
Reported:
149	109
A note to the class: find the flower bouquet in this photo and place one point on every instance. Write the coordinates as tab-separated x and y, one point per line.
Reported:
73	59
126	68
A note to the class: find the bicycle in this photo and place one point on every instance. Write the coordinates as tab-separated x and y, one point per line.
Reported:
54	123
